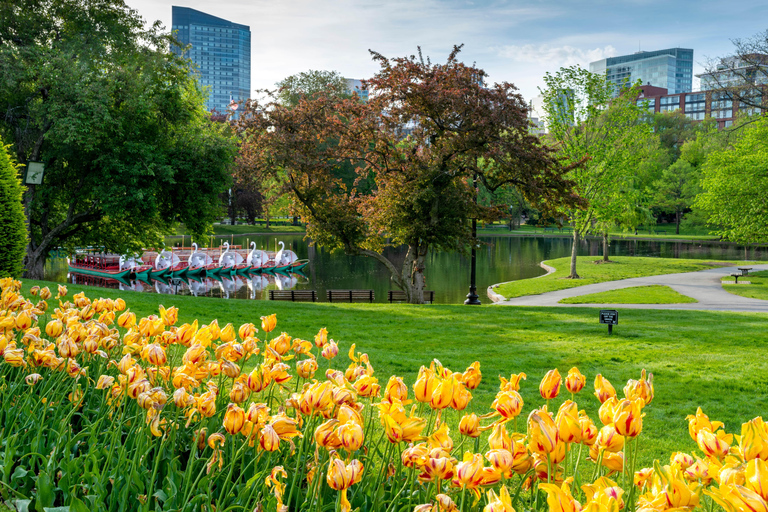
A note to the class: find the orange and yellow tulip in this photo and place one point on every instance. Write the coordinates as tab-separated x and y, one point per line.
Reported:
603	388
269	322
549	387
470	425
628	417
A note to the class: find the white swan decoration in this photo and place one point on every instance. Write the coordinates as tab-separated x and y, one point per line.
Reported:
279	254
198	258
166	259
130	262
256	258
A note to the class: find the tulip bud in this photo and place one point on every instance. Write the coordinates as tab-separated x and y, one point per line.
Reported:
227	333
603	388
268	323
246	331
351	436
234	419
508	404
330	350
628	417
54	328
550	384
472	376
575	381
470	425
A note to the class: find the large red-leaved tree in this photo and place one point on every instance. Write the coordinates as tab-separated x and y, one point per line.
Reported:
426	132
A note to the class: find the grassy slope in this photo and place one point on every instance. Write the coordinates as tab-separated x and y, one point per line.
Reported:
654	294
697	357
245	229
623	267
660	233
758	289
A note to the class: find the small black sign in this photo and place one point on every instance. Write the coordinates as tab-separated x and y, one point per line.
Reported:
609	316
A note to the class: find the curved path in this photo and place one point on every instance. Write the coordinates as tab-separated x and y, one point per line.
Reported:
704	286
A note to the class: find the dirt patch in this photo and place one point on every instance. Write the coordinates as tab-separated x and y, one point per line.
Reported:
598	262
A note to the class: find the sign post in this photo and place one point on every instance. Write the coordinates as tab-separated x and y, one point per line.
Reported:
610	317
35	172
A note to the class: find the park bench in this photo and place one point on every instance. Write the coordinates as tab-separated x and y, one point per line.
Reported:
350	295
293	295
399	296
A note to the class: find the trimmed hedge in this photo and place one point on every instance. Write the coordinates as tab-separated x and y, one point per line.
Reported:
13	228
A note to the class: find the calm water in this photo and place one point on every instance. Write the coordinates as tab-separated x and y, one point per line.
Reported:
499	259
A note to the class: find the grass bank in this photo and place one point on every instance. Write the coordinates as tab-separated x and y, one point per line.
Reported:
661	232
247	229
622	267
696	357
653	294
757	289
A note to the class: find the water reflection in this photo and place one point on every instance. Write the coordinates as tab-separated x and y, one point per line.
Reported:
499	259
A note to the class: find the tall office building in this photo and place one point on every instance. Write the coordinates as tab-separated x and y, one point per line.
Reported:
220	49
671	69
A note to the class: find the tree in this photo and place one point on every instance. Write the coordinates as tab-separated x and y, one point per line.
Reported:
308	83
12	223
118	121
735	186
604	138
741	77
422	194
676	189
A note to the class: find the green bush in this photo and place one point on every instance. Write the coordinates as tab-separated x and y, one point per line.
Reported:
13	229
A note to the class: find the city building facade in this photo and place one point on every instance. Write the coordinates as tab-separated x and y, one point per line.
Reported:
221	52
355	86
671	69
717	104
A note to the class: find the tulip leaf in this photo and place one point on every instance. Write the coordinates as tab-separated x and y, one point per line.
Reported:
76	505
45	492
19	473
22	505
160	495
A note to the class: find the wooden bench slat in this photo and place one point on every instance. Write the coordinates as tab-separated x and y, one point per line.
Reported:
293	295
350	295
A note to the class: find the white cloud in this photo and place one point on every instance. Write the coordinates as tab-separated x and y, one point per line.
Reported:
565	55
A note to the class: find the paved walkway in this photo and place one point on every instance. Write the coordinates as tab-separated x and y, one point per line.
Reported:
704	286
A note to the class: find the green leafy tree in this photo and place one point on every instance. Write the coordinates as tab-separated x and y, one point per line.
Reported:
119	122
428	130
604	138
735	186
12	222
676	189
308	83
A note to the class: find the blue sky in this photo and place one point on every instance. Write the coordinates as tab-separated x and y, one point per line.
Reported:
513	41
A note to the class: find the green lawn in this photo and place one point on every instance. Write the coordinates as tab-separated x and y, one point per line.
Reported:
660	232
758	289
653	294
696	357
623	267
247	229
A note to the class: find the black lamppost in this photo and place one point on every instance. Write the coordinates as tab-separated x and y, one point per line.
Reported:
472	298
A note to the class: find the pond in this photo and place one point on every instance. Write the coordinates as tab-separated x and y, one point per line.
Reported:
499	259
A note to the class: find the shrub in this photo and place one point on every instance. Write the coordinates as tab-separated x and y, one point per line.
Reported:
13	229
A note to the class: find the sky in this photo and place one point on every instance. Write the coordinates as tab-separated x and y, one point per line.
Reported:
514	41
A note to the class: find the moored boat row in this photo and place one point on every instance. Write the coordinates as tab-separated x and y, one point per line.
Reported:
199	264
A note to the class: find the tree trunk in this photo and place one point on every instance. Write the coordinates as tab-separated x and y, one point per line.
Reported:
605	246
677	222
574	251
34	262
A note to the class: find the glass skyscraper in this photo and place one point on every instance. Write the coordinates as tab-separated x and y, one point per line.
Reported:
220	49
671	69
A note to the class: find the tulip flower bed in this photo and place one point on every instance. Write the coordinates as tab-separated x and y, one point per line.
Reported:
106	411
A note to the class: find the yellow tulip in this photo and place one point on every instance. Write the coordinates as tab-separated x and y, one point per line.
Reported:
508	404
701	471
281	344
603	388
567	421
154	354
246	331
499	438
440	468
443	394
234	419
757	477
501	460
396	388
472	376
737	498
700	421
214	329
321	338
127	320
470	425
45	293
681	460
351	436
367	386
559	498
32	379
330	350
549	387
54	328
468	474
67	347
607	410
513	384
269	322
23	320
104	382
425	385
186	333
500	503
415	455
610	440
542	432
628	417
229	369
259	378
119	304
284	426
575	381
228	333
206	404
713	445
340	477
642	388
643	477
753	442
306	369
269	440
